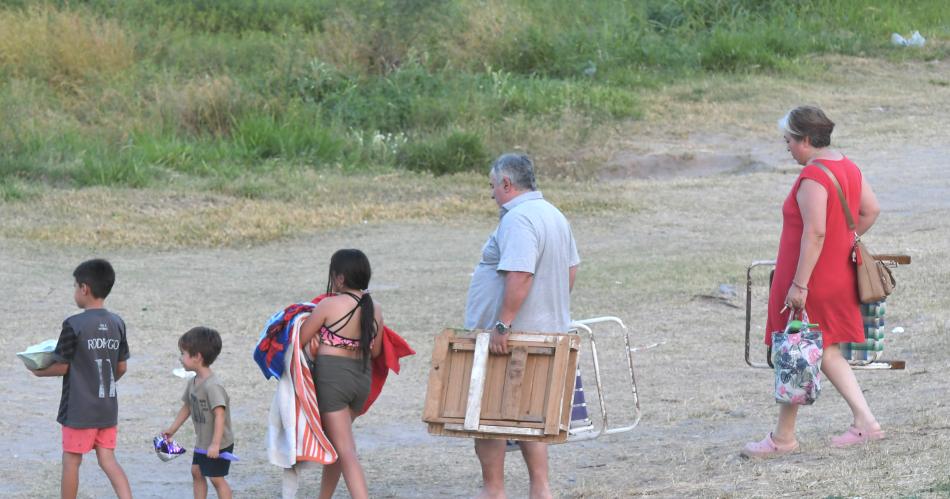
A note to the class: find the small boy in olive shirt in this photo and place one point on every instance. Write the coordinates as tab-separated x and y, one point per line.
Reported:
206	401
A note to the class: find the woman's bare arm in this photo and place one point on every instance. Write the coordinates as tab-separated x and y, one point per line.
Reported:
812	201
869	209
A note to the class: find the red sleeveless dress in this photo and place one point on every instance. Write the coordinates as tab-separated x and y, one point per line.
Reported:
832	300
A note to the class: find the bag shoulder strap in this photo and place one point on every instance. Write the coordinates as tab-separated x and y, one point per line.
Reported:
844	202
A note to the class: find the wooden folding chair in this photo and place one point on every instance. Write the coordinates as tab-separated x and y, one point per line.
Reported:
530	394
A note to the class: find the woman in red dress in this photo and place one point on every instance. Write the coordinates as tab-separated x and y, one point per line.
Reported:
814	270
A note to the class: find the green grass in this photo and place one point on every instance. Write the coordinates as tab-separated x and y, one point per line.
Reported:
13	190
942	488
141	92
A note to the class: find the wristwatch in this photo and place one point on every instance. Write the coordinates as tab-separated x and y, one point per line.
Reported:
502	328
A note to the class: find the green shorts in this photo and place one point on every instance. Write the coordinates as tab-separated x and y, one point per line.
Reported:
341	382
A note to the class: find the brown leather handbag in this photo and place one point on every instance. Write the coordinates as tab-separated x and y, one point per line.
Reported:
875	281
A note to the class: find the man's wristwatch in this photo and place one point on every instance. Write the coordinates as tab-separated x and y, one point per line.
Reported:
502	328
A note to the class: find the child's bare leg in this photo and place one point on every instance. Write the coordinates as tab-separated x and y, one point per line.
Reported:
329	479
289	483
112	469
331	473
339	428
69	487
221	487
198	482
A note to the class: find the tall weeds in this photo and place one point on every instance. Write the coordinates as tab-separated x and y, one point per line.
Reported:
139	91
208	105
62	47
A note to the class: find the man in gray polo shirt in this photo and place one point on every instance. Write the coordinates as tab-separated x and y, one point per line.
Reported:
522	282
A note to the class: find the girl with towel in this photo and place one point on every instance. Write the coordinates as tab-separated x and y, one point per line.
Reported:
345	326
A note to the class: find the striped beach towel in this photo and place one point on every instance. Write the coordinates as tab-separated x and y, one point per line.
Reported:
312	443
295	432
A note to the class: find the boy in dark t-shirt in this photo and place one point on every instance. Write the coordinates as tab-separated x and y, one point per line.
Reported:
91	357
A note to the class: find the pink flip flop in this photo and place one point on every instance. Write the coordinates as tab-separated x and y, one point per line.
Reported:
767	448
855	436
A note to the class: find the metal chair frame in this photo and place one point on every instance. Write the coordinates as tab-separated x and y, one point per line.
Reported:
585	325
877	365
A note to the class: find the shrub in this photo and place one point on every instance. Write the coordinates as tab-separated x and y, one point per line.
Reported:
457	152
479	41
104	168
294	135
209	105
13	190
217	16
106	91
63	47
730	51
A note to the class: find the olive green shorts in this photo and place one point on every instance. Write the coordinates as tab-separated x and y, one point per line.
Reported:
341	382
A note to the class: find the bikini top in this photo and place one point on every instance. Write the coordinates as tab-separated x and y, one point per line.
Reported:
329	336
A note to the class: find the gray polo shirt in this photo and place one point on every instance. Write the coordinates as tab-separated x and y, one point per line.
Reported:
532	236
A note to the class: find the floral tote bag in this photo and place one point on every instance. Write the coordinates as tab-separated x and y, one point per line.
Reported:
796	356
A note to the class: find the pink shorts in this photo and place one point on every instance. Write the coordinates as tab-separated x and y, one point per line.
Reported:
83	440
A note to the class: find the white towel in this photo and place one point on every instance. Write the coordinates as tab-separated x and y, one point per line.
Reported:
282	422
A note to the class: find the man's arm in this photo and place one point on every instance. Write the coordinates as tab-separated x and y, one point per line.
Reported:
57	369
571	280
120	370
517	287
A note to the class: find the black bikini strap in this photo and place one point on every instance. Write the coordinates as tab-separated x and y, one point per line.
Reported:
348	316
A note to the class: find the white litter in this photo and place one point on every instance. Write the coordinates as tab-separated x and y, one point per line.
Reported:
897	330
182	373
38	356
915	40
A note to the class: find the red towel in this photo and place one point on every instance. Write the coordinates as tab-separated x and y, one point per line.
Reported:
394	347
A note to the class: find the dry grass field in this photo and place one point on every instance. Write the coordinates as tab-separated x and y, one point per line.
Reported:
651	247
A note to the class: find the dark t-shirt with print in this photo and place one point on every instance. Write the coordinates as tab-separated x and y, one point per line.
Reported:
92	343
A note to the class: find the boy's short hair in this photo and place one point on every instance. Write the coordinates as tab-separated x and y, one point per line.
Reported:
203	340
98	275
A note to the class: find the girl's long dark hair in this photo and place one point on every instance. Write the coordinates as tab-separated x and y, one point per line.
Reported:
353	266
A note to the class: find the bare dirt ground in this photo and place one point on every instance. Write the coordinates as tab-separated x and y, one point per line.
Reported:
680	237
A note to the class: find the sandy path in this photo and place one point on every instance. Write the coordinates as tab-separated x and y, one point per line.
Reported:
687	236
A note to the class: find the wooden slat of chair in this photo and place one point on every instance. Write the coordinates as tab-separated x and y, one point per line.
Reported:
454	404
552	418
437	376
531	350
898	259
473	408
533	390
494	386
568	391
514	381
